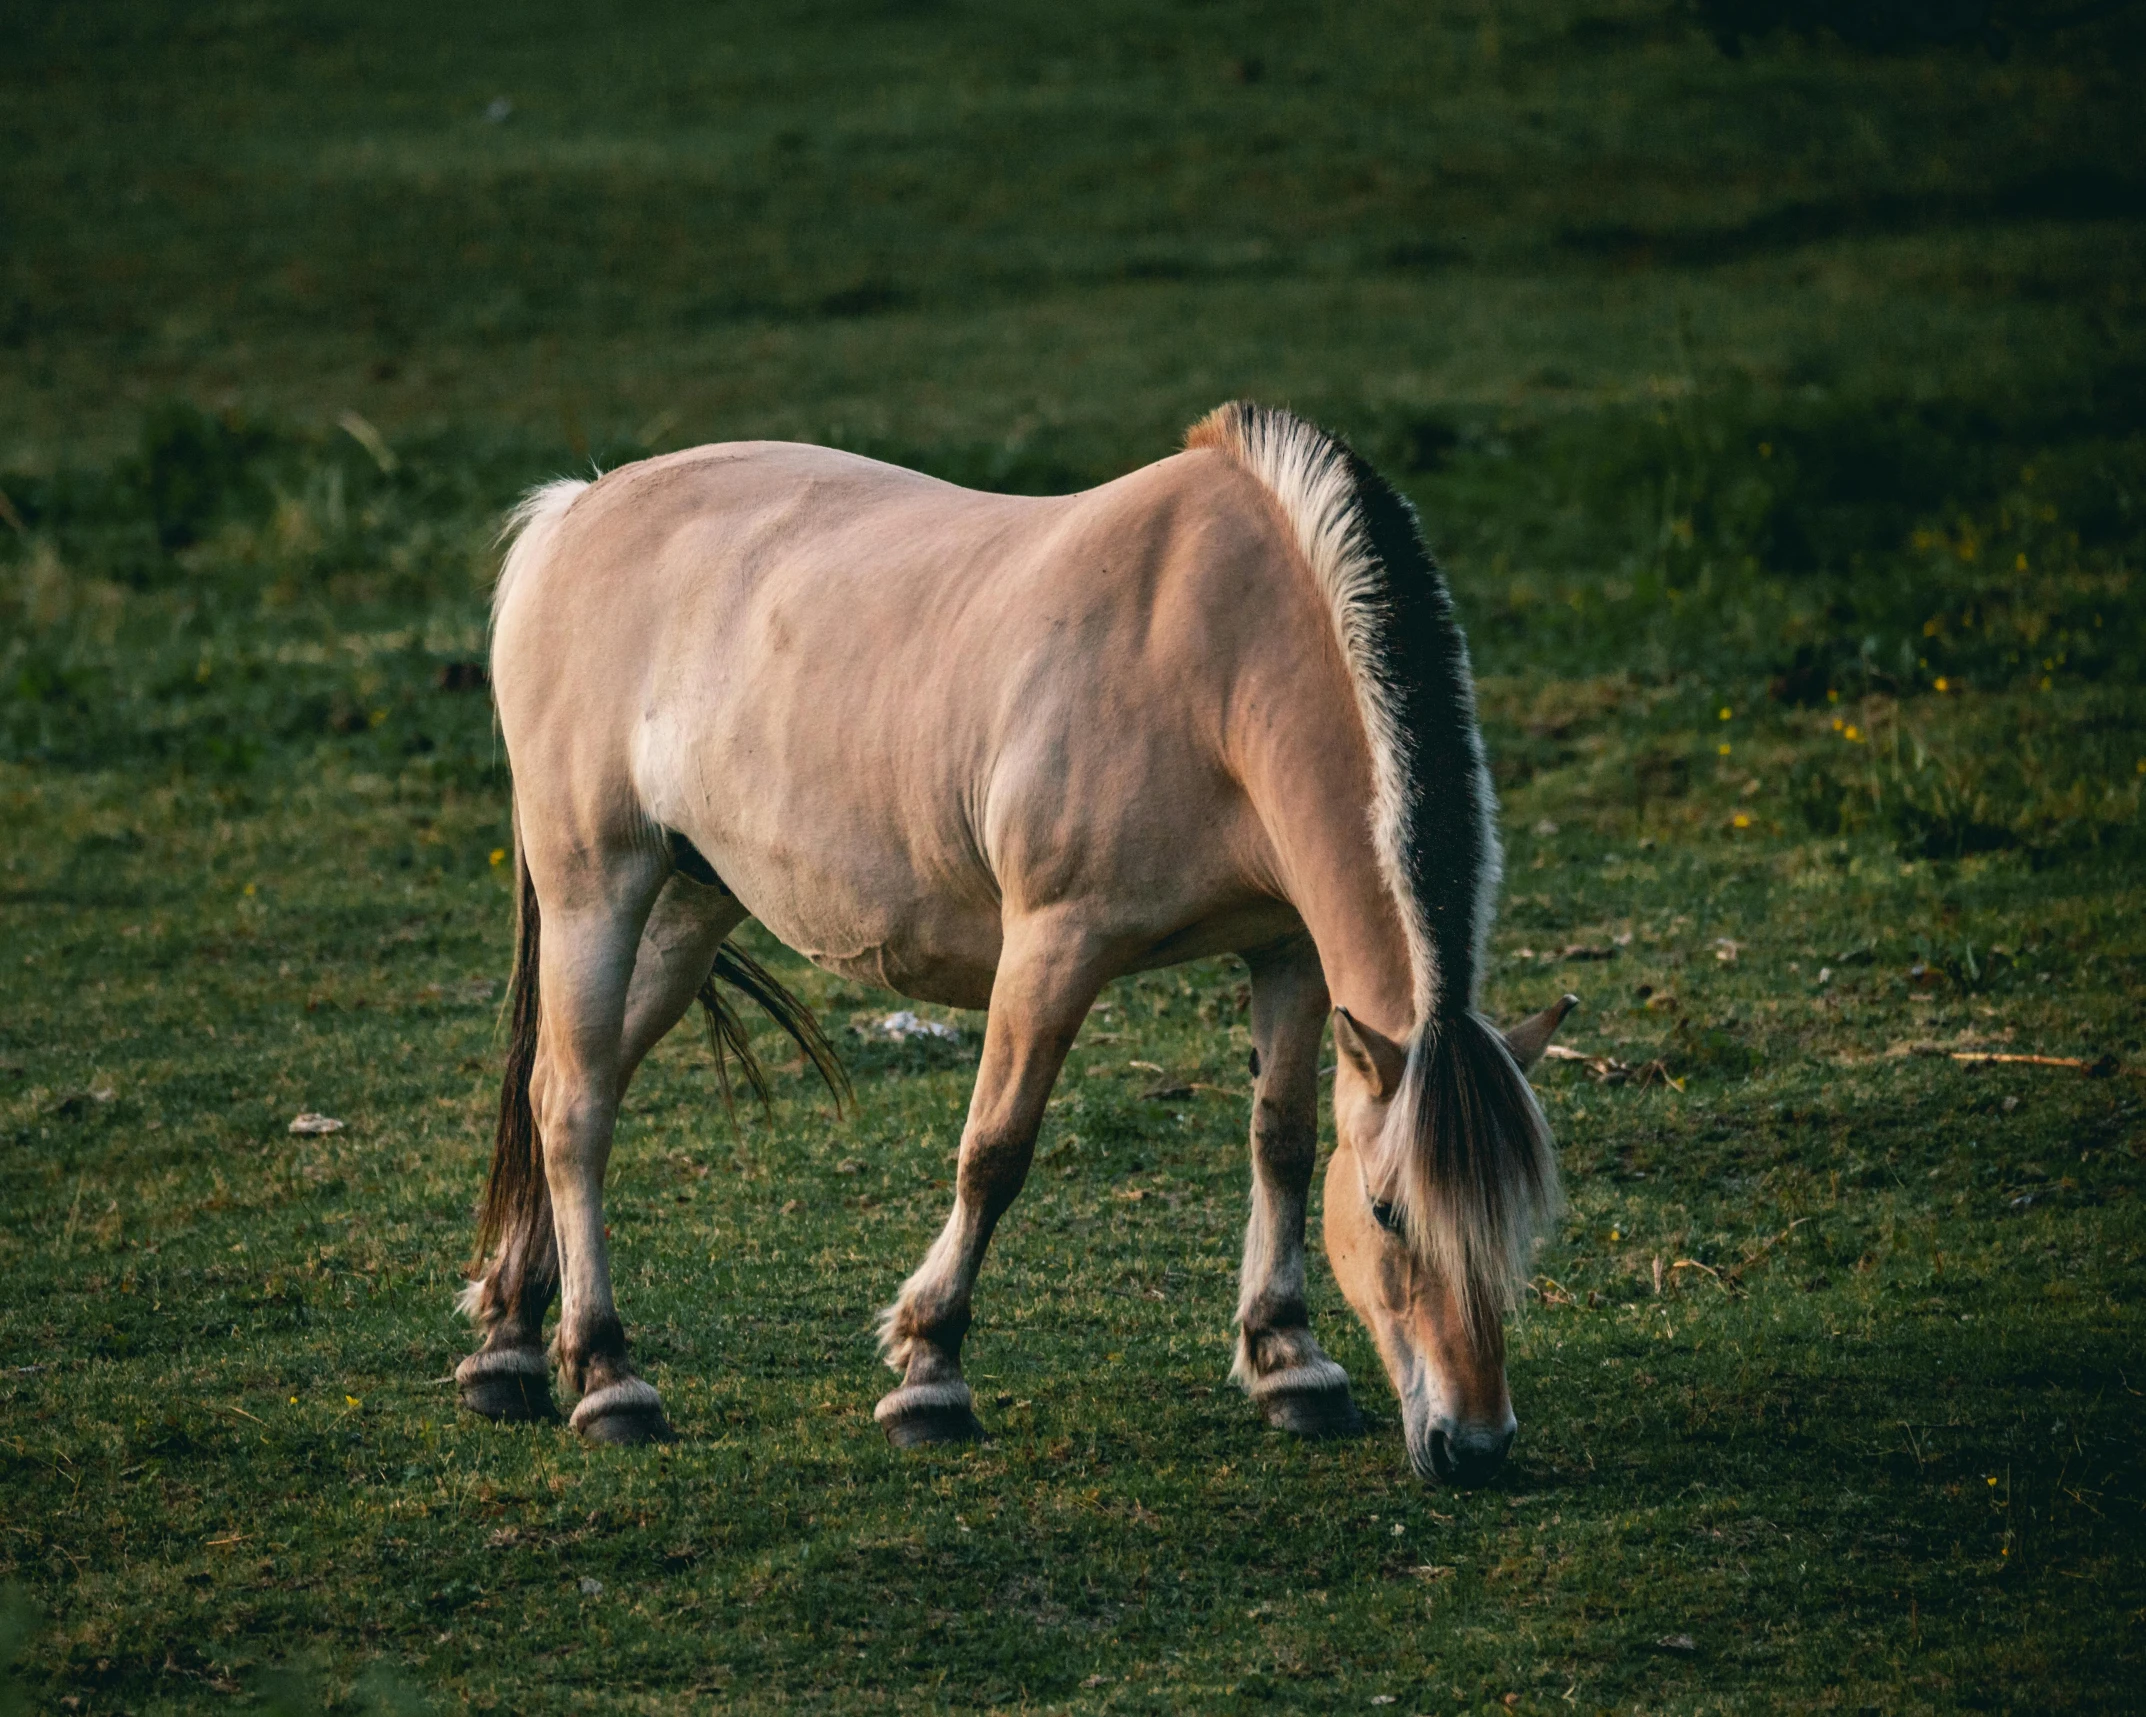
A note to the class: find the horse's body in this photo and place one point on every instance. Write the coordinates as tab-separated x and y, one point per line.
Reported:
993	751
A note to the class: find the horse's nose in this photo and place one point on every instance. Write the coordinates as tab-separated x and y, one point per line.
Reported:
1467	1454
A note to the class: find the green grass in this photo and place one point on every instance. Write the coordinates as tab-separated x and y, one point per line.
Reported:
1747	399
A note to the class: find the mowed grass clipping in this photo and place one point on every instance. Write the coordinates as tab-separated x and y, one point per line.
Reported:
1779	419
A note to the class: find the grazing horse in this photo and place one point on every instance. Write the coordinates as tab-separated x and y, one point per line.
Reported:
993	751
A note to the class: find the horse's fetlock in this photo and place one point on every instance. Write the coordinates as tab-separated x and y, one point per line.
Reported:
924	1316
929	1363
477	1303
1272	1312
592	1353
600	1371
1271	1349
894	1346
948	1328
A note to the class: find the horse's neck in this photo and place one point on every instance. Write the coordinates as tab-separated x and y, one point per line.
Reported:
1308	771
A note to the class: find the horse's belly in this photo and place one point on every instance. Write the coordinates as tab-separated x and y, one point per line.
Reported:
954	981
933	949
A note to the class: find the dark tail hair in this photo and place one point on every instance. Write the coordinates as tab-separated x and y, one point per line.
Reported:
1470	1154
516	1191
727	1035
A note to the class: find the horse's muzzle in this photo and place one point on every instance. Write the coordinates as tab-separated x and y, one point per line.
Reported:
1461	1455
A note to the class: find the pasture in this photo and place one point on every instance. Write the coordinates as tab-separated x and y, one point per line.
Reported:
1778	416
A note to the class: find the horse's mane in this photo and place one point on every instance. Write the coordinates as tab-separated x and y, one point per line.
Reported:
1467	1153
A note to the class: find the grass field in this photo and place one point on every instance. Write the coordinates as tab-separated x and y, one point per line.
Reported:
1781	417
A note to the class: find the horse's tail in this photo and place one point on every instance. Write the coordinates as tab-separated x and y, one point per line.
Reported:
529	528
727	1036
516	1189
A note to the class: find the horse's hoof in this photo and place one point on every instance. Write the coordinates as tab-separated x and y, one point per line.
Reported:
933	1425
1321	1413
509	1398
507	1386
924	1413
623	1414
1309	1398
624	1430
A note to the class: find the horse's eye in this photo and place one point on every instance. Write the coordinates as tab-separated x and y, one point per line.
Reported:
1385	1216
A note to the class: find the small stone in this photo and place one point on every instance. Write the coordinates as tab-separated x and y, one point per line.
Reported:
901	1027
591	1588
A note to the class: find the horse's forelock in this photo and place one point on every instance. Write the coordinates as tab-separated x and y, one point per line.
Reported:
1467	1160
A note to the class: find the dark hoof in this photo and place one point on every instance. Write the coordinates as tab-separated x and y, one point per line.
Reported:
510	1397
622	1414
626	1429
921	1426
1320	1413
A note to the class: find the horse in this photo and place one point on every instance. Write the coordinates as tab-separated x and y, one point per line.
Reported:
994	751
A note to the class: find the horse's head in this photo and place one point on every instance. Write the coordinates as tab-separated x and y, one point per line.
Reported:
1440	1174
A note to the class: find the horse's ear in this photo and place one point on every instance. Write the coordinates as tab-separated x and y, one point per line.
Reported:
1531	1036
1377	1059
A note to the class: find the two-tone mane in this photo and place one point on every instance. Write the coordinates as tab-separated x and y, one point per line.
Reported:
1466	1156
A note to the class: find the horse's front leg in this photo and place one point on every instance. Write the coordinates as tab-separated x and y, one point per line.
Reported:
1045	985
1279	1362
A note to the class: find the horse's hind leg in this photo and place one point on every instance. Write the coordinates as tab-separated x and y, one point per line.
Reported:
684	933
601	1016
1042	993
509	1378
1279	1362
594	914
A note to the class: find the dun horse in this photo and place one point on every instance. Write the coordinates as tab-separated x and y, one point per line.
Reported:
994	751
